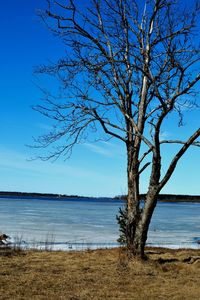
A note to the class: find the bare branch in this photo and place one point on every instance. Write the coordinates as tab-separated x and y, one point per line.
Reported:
197	144
177	157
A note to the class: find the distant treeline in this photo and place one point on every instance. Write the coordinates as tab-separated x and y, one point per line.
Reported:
162	197
169	198
37	195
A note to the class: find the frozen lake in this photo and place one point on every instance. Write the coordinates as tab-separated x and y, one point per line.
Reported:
79	224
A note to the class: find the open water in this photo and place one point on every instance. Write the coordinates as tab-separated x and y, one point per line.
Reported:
91	223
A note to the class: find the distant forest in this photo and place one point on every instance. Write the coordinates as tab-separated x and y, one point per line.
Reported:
170	198
162	197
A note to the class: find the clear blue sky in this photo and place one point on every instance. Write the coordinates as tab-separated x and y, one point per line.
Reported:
94	169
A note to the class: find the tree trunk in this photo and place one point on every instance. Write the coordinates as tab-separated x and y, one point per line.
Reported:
133	198
142	228
138	226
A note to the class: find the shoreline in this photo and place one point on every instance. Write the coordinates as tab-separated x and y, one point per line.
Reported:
67	246
168	198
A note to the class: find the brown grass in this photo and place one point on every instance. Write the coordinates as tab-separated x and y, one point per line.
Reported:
100	274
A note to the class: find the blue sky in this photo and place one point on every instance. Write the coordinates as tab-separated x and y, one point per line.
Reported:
94	169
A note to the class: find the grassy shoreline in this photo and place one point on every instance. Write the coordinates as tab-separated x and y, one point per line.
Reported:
100	274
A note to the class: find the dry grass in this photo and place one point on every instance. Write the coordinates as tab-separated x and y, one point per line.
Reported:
100	274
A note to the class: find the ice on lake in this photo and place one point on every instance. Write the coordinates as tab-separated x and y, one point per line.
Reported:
80	224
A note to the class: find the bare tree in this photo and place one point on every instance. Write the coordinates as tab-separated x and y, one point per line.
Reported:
129	66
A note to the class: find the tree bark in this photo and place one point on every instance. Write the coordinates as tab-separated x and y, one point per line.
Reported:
143	225
133	199
139	218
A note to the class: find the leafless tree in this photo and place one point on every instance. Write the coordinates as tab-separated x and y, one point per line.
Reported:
129	66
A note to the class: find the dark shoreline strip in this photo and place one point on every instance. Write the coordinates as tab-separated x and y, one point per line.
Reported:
48	196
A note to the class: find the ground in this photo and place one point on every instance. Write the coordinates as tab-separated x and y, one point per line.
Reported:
100	274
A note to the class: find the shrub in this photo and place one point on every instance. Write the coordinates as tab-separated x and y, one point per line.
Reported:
122	222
